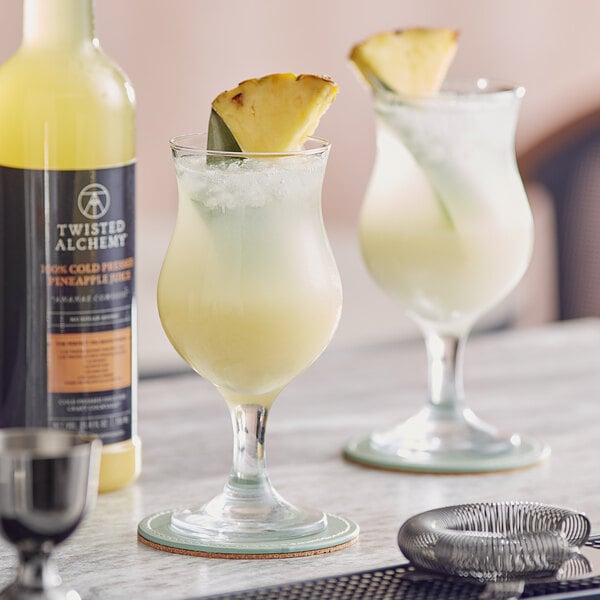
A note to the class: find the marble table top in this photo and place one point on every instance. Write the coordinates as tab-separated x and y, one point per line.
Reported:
544	382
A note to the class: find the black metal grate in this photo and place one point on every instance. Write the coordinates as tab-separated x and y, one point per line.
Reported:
400	583
539	590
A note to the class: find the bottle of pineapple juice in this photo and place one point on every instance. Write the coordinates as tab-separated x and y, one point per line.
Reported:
67	160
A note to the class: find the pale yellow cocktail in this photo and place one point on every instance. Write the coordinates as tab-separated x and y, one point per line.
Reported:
448	236
249	294
446	230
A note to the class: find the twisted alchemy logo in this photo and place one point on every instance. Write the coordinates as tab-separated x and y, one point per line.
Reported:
93	201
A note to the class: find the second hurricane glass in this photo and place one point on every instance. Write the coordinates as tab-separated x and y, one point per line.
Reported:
249	295
446	230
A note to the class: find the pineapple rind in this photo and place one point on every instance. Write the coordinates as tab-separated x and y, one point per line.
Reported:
275	113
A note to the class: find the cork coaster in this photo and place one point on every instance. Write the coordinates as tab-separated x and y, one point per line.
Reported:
529	452
155	531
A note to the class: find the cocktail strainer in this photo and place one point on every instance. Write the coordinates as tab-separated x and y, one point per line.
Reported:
497	541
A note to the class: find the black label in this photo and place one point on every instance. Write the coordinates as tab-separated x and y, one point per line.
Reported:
67	271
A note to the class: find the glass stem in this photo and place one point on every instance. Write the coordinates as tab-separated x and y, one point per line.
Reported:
445	364
249	471
36	570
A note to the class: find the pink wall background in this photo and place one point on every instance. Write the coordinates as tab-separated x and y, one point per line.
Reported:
180	53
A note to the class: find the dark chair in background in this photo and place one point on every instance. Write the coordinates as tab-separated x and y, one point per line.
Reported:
567	164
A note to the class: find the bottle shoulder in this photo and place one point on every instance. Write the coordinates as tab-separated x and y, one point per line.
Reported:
56	71
65	110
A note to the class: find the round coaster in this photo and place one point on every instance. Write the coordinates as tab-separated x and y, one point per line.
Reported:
527	453
156	532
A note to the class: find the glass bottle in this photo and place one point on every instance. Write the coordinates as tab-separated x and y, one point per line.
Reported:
67	239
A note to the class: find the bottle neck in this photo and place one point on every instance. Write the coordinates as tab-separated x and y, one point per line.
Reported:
58	22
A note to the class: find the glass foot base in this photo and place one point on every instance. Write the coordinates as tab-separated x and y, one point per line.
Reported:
525	452
157	531
238	519
438	443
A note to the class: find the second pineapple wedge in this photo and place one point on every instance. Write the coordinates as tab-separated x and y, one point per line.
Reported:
410	61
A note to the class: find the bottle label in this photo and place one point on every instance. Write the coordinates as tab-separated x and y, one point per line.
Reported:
77	236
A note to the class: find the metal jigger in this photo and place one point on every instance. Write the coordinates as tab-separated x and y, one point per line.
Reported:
48	481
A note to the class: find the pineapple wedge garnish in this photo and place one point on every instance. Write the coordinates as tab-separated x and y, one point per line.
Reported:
409	61
275	113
